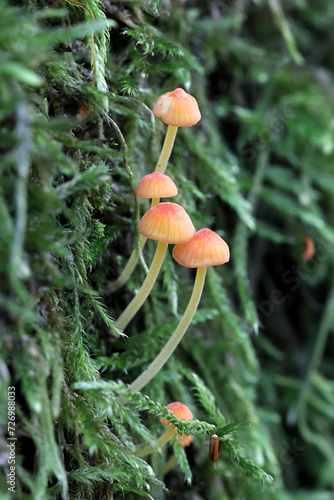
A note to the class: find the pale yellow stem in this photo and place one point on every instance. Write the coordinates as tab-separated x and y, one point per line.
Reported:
139	299
131	264
176	338
159	443
128	270
170	464
166	149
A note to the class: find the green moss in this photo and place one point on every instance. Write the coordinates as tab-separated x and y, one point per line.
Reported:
256	364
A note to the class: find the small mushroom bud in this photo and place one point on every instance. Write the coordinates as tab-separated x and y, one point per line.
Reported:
214	449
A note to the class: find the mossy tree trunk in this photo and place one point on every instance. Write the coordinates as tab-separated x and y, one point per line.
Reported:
78	81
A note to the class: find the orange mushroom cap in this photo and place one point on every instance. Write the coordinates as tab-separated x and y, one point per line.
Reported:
167	222
182	412
177	108
185	440
156	185
206	248
309	248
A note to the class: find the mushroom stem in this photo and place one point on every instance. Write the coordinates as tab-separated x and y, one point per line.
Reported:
166	149
132	262
176	338
159	443
154	202
136	303
170	464
130	265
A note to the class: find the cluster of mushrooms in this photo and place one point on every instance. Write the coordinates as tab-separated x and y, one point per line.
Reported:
169	223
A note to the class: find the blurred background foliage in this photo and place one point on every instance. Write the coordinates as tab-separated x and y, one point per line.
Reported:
256	364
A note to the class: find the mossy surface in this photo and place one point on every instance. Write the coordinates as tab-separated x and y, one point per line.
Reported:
76	136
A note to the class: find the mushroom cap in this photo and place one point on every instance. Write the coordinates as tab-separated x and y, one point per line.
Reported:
180	410
156	185
206	248
185	440
177	108
309	248
167	222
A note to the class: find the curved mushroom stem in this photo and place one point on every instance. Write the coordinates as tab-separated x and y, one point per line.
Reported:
176	338
166	149
133	259
167	436
130	265
170	464
136	303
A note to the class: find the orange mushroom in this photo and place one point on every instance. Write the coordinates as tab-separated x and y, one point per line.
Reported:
185	440
182	412
167	223
156	185
206	248
177	109
309	248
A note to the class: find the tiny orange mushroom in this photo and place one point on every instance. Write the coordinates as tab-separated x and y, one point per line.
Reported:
182	412
309	250
176	109
156	185
185	440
